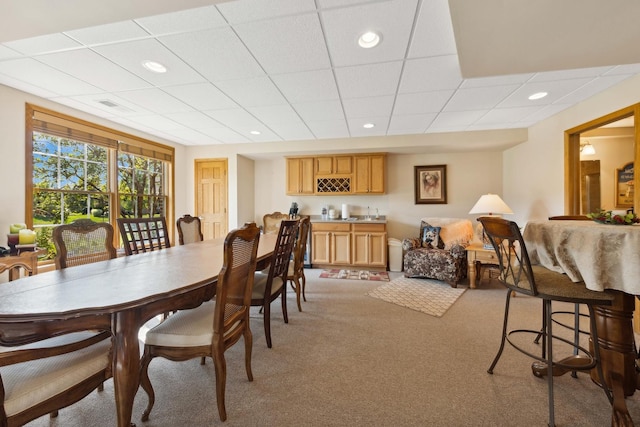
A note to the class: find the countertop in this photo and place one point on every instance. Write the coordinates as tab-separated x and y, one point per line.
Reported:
357	219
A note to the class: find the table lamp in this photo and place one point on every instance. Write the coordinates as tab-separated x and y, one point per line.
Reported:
491	205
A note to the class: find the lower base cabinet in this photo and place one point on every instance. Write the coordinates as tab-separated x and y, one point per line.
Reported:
349	244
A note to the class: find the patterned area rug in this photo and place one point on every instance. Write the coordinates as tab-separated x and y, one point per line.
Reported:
379	276
432	297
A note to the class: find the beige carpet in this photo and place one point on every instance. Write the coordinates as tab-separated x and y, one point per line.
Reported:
432	297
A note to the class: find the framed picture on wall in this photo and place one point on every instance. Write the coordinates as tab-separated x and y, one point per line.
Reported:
430	184
624	186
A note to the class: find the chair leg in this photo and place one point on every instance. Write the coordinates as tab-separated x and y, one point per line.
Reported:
145	383
220	365
596	354
266	316
248	348
295	285
285	314
304	285
549	358
504	332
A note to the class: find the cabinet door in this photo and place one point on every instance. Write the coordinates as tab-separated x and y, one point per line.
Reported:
324	165
361	177
293	176
361	249
341	247
306	176
378	249
376	174
300	176
320	247
342	164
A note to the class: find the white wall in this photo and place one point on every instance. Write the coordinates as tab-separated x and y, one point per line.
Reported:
613	154
534	171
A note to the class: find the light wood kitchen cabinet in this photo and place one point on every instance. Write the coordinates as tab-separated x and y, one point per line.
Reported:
331	243
300	179
333	165
349	244
369	245
369	174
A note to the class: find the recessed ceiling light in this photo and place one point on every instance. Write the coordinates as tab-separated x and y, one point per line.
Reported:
156	67
538	95
368	125
369	40
255	132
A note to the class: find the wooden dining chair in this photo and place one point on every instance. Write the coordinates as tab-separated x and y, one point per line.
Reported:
82	242
295	273
213	327
141	235
270	284
519	276
189	229
271	222
45	376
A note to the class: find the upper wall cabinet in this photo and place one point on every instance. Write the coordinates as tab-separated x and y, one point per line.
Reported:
345	174
300	176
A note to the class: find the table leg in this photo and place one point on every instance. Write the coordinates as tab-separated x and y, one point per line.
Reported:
126	364
472	274
617	349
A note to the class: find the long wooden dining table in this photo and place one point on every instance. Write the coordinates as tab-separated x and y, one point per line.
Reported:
605	258
119	295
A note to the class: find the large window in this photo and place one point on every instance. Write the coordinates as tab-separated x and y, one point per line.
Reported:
81	170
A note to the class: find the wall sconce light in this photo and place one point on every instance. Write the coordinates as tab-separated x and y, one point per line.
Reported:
587	149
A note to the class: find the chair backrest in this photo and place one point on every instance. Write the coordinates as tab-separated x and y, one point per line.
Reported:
235	281
515	266
271	222
301	243
279	266
189	229
143	234
82	242
569	218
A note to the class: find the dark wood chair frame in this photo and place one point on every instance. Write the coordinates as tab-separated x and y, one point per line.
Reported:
141	235
297	278
230	318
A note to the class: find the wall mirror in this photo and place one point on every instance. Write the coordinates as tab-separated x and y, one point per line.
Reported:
599	159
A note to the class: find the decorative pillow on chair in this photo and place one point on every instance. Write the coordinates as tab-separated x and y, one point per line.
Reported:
430	236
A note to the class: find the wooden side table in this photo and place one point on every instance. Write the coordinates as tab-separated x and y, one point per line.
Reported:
477	255
28	260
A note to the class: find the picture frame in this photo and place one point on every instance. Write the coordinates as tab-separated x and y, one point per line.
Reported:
430	184
624	186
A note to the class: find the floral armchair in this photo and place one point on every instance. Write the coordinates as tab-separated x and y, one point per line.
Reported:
439	251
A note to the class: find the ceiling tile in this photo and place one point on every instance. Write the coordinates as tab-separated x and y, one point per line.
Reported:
201	96
108	33
41	75
94	69
368	107
356	126
228	136
292	131
131	55
121	108
421	103
429	74
237	119
433	35
393	20
410	124
368	80
196	19
593	87
289	44
252	92
479	98
455	119
496	80
156	122
275	114
252	10
43	44
155	100
317	85
226	56
319	111
555	90
196	120
6	53
570	74
323	129
506	115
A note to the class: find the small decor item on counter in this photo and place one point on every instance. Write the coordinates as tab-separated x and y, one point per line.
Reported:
293	210
345	211
325	212
12	240
15	228
26	237
607	217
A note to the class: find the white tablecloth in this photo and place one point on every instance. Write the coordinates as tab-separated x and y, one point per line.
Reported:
603	256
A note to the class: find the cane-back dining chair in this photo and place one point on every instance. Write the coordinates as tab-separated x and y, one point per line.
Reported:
82	242
213	327
45	376
295	274
143	234
189	229
518	275
271	222
272	283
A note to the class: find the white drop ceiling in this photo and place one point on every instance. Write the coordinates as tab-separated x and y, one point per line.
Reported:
292	69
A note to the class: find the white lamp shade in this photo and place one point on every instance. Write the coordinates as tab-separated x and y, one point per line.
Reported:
490	204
